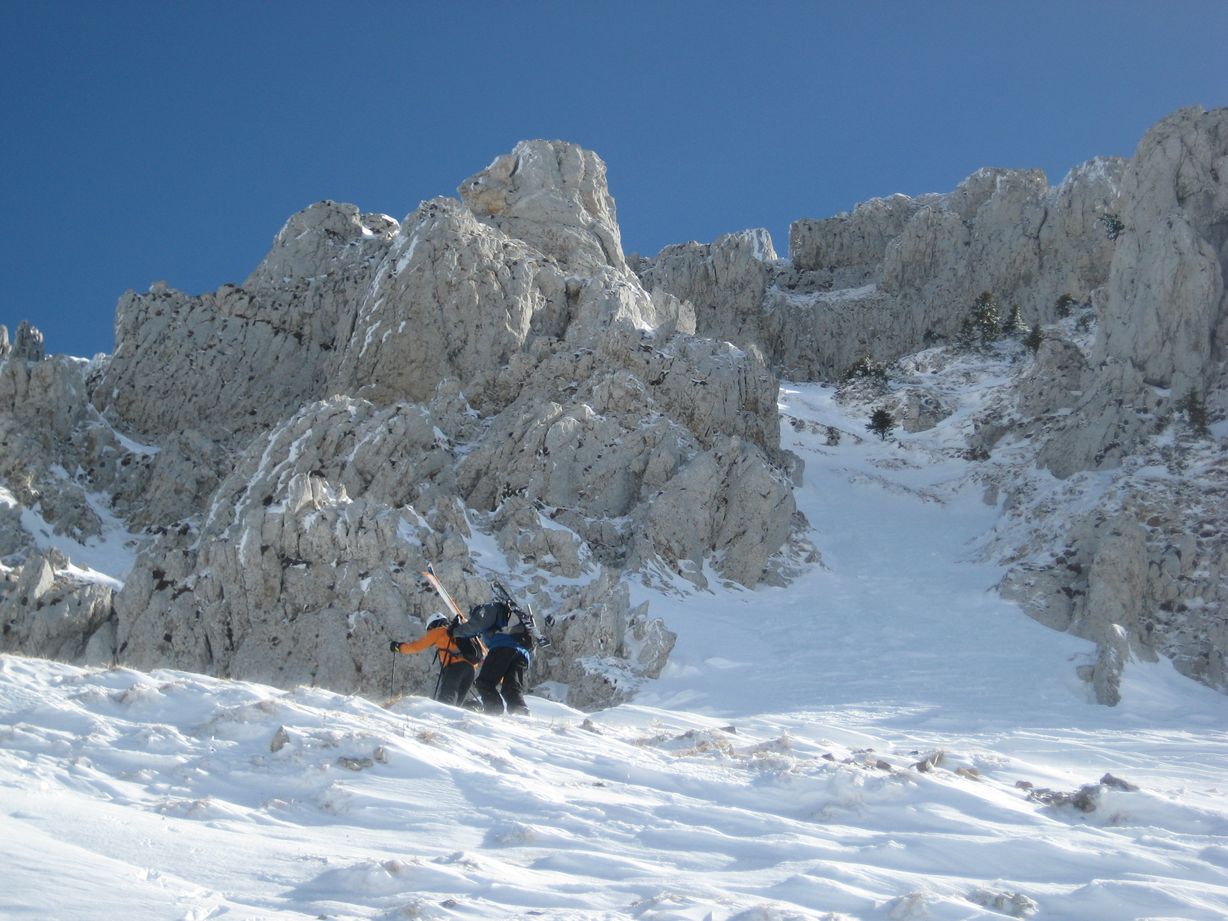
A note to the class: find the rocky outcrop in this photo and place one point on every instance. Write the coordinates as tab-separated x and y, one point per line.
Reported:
898	274
27	344
60	616
1166	311
850	247
376	393
231	363
57	453
553	196
1164	315
725	281
310	558
1144	570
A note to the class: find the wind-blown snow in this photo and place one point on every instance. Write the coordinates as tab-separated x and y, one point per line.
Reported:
851	746
106	558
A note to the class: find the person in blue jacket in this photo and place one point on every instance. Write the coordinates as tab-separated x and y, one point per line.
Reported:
509	644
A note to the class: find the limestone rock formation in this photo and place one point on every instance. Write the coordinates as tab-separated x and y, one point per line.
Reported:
27	344
230	363
52	612
374	394
1144	569
851	246
1166	311
725	281
555	197
309	559
453	297
899	273
1164	316
288	453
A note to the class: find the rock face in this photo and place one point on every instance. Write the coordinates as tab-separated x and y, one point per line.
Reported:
1145	570
288	453
376	395
898	274
27	344
1166	310
1140	247
1164	316
553	196
231	363
851	246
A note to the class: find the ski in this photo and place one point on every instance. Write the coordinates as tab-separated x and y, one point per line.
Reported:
433	579
501	593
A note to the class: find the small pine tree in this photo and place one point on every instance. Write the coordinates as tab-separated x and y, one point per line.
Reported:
966	337
1014	322
1034	338
985	318
866	368
1064	305
1195	411
881	423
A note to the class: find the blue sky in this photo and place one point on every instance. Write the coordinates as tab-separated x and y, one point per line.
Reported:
171	140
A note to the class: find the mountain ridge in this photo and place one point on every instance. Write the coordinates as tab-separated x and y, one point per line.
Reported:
495	366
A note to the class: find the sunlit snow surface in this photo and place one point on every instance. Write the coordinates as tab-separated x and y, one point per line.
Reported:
770	774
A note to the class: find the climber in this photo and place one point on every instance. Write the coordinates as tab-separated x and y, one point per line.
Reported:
508	634
458	657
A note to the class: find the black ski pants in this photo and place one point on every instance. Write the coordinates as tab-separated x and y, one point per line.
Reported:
454	683
501	681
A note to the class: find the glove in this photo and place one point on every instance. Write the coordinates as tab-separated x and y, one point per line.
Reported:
394	645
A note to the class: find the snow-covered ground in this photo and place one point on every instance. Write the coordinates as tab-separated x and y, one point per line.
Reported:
856	745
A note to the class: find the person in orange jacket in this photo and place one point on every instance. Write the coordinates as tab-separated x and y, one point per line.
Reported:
456	671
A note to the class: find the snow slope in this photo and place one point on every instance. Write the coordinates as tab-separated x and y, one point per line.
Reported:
851	746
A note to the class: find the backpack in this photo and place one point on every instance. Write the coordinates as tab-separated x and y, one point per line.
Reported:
469	648
524	630
498	614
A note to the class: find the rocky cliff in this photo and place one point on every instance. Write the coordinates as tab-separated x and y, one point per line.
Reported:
493	386
289	453
1135	252
899	274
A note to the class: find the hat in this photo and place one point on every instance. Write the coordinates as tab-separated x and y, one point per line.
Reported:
435	620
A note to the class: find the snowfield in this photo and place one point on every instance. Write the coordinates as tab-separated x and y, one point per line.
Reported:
885	738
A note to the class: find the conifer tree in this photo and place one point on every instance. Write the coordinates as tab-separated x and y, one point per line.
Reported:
1014	322
1195	411
1034	338
985	318
881	423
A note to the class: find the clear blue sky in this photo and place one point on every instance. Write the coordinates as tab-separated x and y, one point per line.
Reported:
170	139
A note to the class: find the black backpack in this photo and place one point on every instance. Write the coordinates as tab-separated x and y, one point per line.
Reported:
503	617
469	648
524	627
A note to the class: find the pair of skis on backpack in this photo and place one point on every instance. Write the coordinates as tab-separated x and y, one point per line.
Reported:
499	593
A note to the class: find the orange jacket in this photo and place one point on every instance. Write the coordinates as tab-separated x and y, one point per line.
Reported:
438	637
